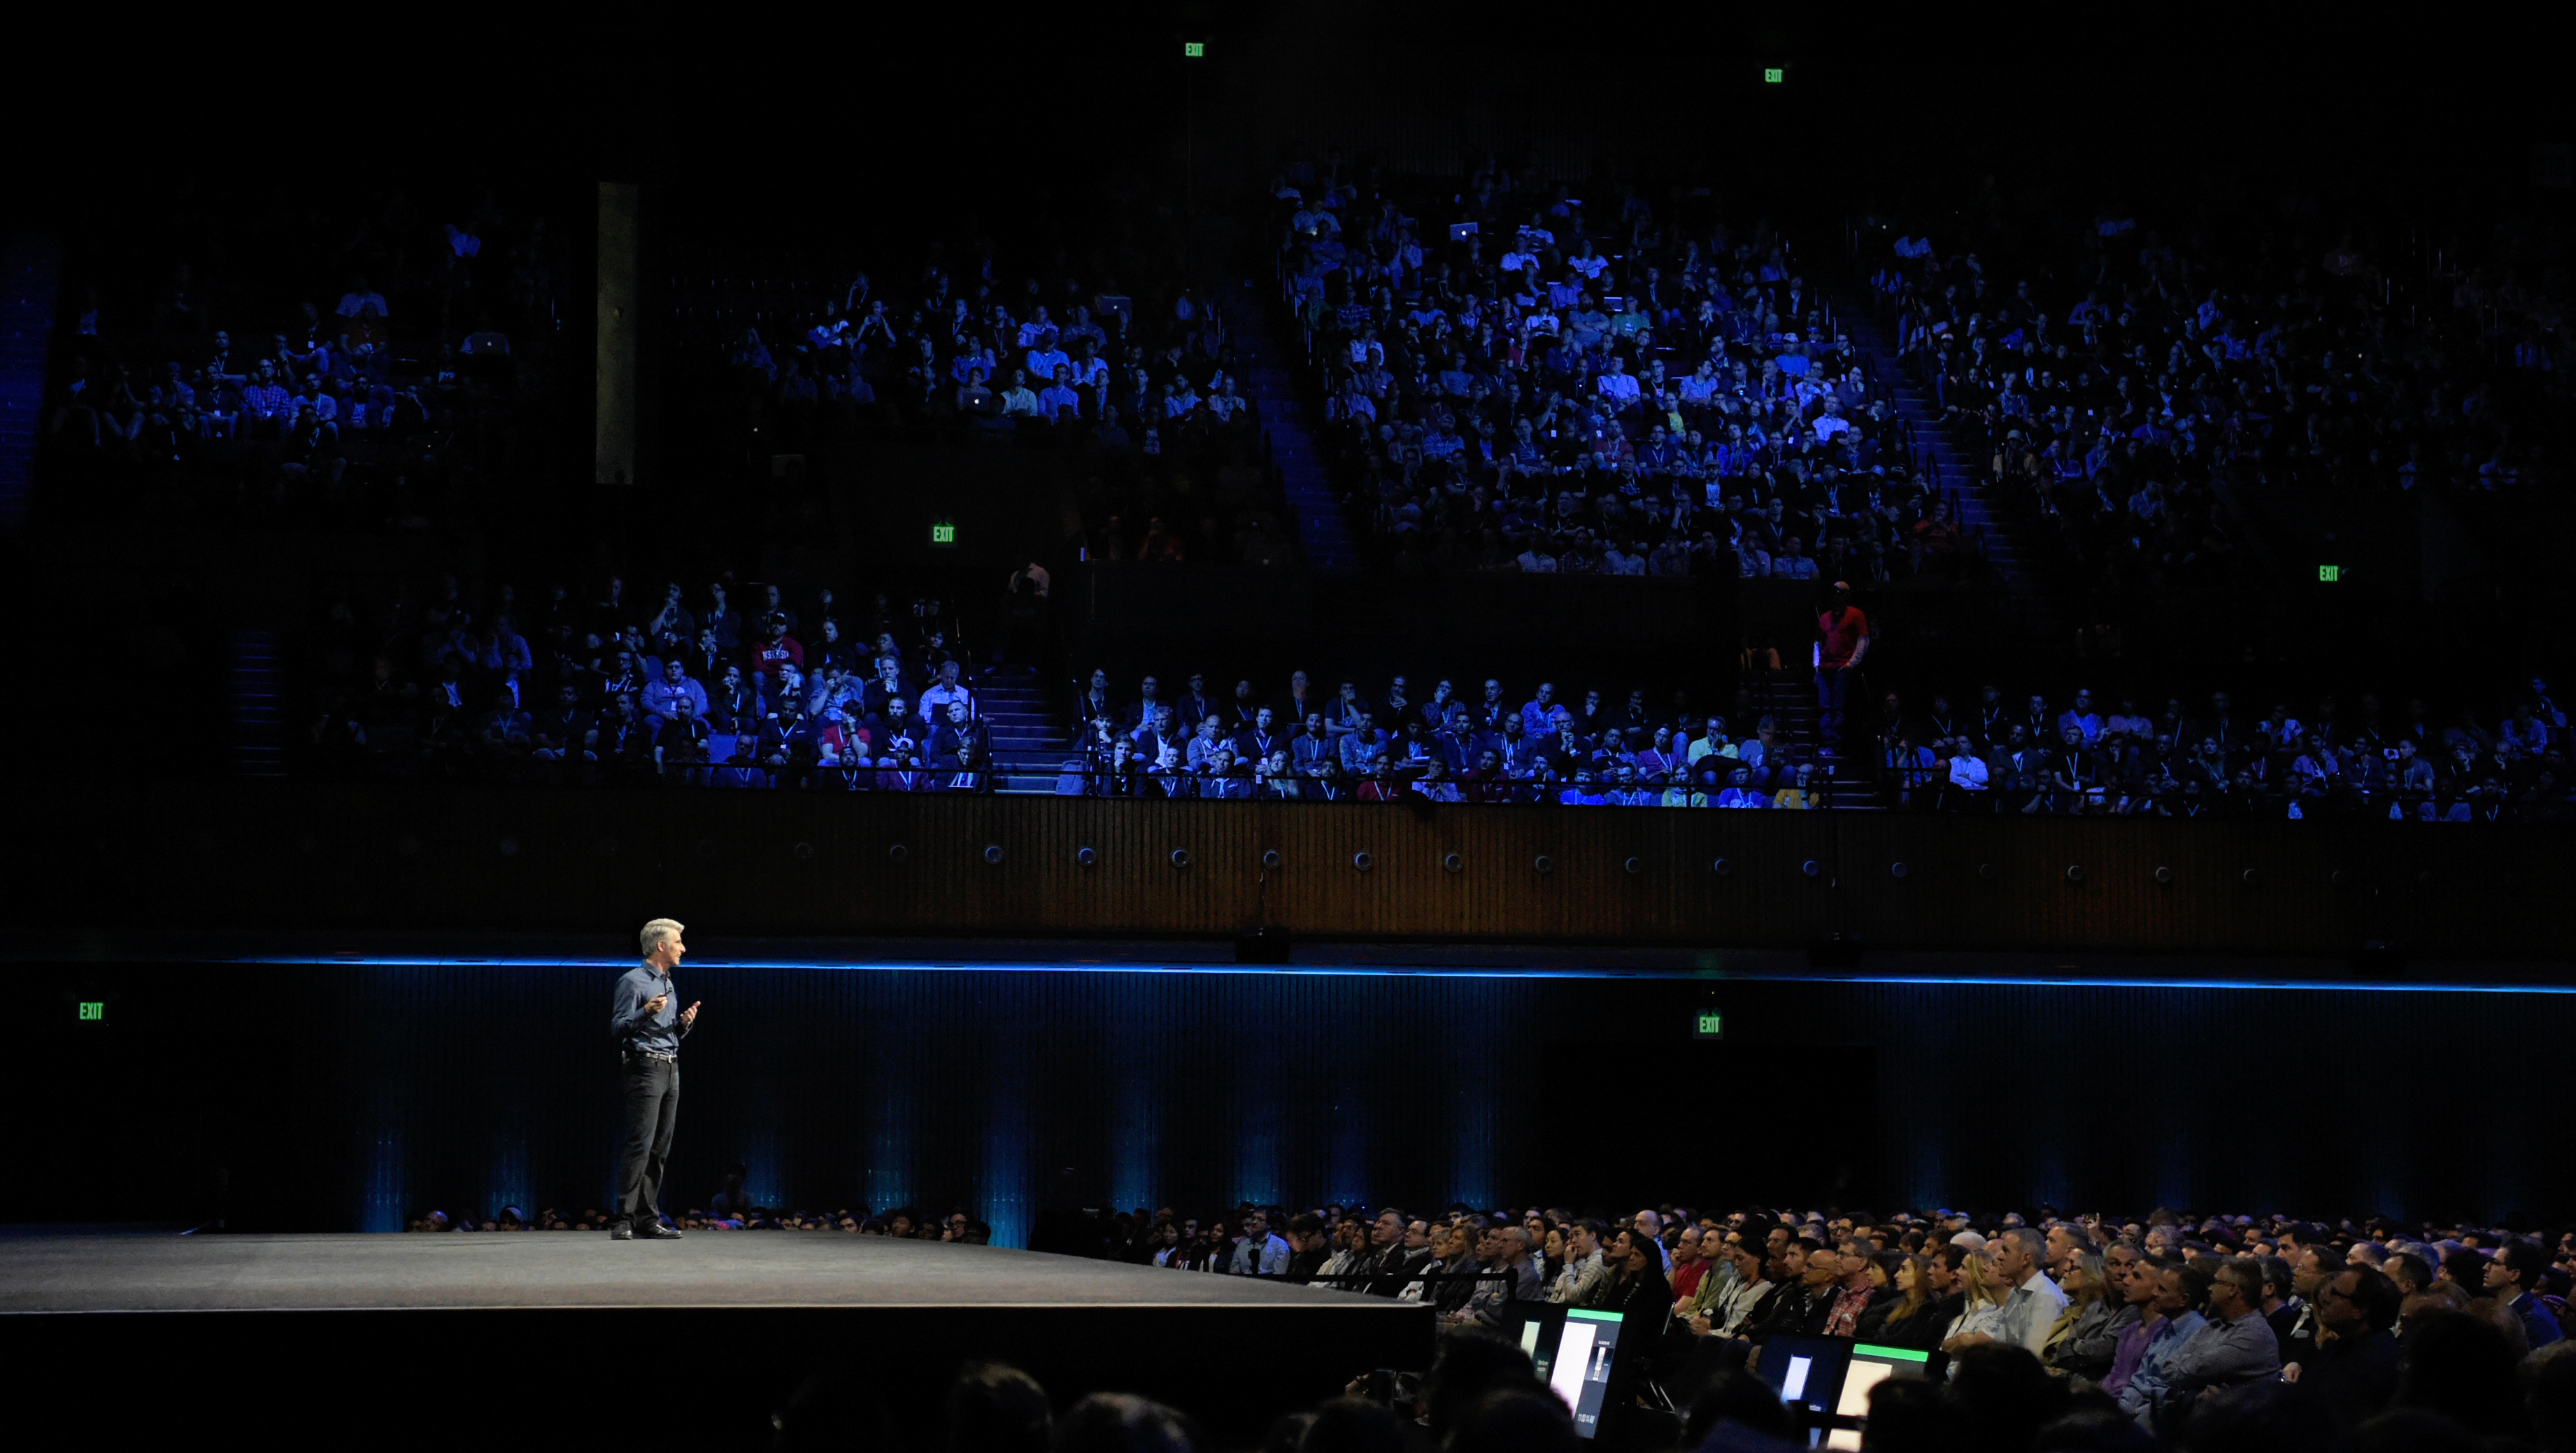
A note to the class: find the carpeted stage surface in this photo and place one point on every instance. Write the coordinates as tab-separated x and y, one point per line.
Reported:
417	1340
143	1272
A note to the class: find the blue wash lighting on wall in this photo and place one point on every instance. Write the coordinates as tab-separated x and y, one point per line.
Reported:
388	1195
1135	1060
1004	1205
508	1180
1006	966
890	1179
882	1081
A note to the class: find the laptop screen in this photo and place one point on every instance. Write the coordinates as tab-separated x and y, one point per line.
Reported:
1807	1372
1580	1371
1574	1350
1872	1365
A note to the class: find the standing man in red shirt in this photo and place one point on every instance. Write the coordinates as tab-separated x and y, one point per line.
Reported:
1843	640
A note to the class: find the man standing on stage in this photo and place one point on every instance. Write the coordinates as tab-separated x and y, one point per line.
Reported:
648	1034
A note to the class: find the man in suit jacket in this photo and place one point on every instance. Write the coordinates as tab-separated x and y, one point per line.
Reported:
1255	742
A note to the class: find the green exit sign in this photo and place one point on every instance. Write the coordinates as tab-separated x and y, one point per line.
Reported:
1773	75
943	532
92	1009
2330	573
1194	50
1709	1024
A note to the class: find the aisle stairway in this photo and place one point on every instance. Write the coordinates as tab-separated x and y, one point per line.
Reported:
1030	741
1789	698
1270	365
1960	477
259	713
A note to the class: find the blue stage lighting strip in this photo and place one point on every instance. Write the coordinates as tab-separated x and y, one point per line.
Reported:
1080	966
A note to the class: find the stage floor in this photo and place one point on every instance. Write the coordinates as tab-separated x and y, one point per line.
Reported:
327	1333
92	1271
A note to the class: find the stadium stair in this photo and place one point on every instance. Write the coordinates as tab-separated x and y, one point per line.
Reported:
1030	742
259	718
1315	509
1961	478
1789	699
30	270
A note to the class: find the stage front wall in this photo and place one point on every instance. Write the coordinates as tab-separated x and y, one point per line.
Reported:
336	1096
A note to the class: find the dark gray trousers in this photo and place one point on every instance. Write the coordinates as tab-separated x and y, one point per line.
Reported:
652	1109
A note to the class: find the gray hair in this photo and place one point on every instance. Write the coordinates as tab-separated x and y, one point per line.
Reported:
656	931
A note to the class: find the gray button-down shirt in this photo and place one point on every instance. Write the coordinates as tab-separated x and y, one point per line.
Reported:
2030	1313
2223	1354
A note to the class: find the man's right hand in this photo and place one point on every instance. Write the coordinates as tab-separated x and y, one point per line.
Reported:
653	1006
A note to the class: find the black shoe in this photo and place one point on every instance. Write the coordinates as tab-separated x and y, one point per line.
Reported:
621	1232
659	1232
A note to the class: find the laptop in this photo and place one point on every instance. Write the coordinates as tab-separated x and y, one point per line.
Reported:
1575	1350
1825	1382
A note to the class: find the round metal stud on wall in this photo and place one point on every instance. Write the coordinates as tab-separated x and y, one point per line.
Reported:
1271	859
1454	863
2165	876
1635	866
2075	872
1722	867
1087	857
1986	872
898	853
804	852
1363	861
1811	867
1897	870
1180	857
2252	877
1544	863
509	847
993	854
706	847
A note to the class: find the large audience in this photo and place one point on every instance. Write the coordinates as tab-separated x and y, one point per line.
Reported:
2069	1332
1144	386
1520	376
724	687
2075	754
756	687
1516	374
1430	740
2093	754
368	364
2135	390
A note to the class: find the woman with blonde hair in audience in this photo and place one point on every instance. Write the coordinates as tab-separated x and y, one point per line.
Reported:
2083	1341
1983	1311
